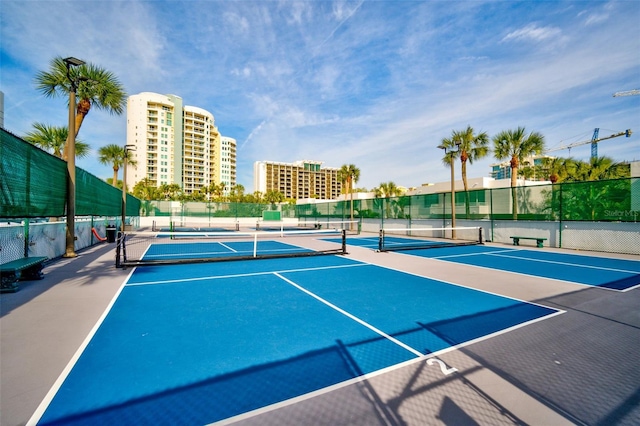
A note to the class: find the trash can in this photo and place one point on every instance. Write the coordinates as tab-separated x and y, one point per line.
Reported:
111	235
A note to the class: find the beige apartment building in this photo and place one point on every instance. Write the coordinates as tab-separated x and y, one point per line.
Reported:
299	180
177	144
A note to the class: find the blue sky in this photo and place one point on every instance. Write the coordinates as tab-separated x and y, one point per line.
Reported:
377	84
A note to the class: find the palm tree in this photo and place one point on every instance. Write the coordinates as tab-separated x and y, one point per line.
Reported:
557	169
146	190
516	145
237	193
598	169
114	155
387	190
169	191
448	160
218	190
471	146
273	196
96	87
54	138
349	174
257	197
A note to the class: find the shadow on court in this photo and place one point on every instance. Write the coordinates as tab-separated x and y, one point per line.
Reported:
248	389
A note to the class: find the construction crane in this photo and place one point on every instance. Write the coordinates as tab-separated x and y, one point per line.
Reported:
594	142
627	93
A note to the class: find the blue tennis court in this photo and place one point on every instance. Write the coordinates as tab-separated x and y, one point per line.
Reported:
607	273
186	344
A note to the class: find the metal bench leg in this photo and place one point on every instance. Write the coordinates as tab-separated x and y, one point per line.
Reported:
9	283
516	241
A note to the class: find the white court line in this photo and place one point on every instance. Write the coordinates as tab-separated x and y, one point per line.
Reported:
474	254
171	255
353	317
35	417
565	263
488	268
228	248
367	376
202	253
469	287
249	274
374	239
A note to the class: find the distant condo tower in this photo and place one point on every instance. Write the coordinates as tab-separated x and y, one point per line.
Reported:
299	180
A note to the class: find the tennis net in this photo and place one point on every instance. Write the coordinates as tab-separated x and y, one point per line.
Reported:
195	225
348	225
156	248
395	239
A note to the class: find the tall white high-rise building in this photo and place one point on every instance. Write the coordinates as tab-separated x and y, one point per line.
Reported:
226	154
176	144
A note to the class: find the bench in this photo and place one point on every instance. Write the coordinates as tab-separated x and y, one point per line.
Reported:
539	240
26	268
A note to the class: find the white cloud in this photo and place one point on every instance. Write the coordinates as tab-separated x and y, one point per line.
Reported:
343	10
596	19
236	23
533	32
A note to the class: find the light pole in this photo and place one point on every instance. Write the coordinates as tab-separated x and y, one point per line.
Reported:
453	186
71	160
127	148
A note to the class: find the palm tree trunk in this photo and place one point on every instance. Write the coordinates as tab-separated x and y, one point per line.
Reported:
514	194
81	112
115	177
351	204
466	190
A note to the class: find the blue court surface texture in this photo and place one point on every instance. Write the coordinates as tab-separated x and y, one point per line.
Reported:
607	273
187	344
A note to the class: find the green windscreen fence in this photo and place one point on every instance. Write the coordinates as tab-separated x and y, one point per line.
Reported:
212	209
33	183
610	201
615	200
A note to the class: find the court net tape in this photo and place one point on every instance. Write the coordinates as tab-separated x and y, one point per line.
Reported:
165	248
189	224
396	239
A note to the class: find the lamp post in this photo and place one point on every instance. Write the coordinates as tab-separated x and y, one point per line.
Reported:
127	148
71	160
453	186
